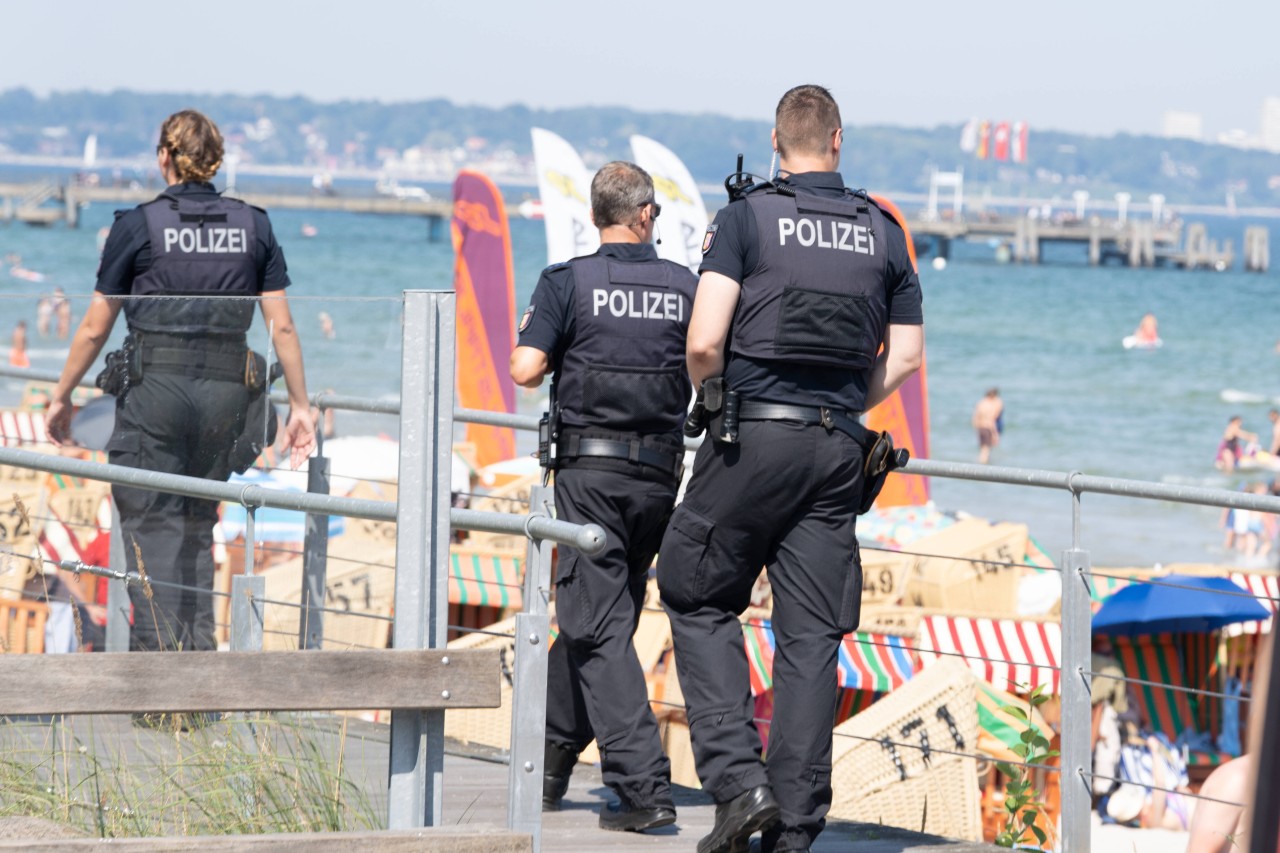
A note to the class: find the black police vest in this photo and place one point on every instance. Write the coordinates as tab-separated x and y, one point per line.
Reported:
199	249
818	296
625	370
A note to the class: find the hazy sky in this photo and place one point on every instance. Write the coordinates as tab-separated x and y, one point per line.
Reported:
1089	65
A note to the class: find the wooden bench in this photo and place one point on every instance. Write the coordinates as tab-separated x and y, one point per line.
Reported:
177	682
174	682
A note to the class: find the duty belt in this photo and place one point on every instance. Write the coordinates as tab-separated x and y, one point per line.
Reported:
197	361
846	422
633	451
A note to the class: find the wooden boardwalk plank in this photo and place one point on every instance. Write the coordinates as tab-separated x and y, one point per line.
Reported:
248	681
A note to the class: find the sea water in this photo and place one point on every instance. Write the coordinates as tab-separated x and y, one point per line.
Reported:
1048	336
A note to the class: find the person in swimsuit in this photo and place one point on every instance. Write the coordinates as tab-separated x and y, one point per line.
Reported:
986	417
1230	450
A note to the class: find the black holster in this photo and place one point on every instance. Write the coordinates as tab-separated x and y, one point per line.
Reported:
720	411
879	458
548	435
251	442
115	379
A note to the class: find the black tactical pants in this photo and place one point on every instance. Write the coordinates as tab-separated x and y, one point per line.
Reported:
176	424
785	498
595	686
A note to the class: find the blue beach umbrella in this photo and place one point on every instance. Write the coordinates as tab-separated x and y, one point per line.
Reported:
1177	604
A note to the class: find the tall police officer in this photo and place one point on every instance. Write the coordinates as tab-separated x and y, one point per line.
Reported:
612	328
802	283
189	370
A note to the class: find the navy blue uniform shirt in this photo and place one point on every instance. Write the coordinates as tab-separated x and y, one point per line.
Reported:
733	253
127	253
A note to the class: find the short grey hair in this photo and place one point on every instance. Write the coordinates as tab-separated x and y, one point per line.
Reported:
618	191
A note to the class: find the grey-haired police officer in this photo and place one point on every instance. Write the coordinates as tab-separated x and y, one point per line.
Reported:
190	373
809	309
611	327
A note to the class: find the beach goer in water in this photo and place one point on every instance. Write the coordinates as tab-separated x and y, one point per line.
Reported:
185	411
326	326
806	338
62	313
18	349
1233	447
986	422
45	310
623	392
1148	331
1274	417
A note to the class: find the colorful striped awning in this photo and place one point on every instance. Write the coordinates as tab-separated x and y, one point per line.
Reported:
485	578
1000	731
1267	589
875	662
1180	660
18	428
1012	655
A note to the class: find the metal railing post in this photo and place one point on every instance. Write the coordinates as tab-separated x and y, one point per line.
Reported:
414	796
117	639
315	548
1076	759
529	688
247	592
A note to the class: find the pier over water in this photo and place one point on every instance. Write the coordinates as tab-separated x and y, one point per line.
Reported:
1132	242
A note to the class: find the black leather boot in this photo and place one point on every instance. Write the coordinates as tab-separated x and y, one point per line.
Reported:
558	760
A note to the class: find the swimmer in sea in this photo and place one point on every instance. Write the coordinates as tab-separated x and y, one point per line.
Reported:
1148	332
986	416
1230	449
18	350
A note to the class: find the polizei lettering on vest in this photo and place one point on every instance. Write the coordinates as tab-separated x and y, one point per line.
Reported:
639	304
827	234
206	241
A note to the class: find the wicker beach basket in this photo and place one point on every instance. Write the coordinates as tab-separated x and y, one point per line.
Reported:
900	785
487	726
972	566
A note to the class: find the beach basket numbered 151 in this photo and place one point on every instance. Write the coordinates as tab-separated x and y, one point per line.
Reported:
888	766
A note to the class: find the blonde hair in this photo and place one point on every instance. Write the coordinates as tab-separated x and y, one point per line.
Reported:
194	144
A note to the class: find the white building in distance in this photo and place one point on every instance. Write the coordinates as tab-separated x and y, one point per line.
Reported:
1271	123
1178	124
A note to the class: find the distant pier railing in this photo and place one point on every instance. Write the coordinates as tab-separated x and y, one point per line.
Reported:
1135	242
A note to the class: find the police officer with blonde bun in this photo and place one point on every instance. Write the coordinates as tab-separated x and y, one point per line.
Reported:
808	314
185	380
611	328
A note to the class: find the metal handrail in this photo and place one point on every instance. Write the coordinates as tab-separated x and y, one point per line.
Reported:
1079	483
589	538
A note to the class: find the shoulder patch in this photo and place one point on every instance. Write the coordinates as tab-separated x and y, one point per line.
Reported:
525	318
554	267
710	238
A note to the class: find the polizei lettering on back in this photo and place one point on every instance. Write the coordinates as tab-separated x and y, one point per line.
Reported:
640	304
206	241
827	234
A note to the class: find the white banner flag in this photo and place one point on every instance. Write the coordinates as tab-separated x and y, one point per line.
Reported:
684	217
565	188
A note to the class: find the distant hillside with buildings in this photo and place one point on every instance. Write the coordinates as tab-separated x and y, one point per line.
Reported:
430	140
